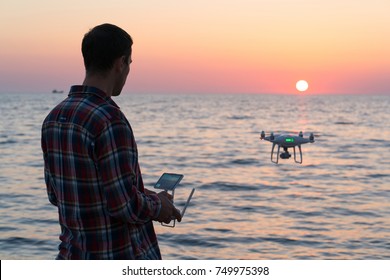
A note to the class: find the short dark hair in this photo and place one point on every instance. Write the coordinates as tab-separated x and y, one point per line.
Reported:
102	45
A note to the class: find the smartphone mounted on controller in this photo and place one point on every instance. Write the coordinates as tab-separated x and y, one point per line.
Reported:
169	182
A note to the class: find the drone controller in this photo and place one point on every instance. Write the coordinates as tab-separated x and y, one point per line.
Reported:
169	182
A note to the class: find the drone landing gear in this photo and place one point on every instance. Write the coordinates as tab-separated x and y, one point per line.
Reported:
285	154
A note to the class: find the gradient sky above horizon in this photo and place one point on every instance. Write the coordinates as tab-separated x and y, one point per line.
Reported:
220	46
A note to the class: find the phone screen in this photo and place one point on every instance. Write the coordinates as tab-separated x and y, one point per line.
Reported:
168	181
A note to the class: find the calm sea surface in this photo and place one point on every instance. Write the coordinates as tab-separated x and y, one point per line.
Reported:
336	205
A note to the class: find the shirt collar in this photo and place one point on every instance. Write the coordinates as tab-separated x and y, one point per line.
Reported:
81	89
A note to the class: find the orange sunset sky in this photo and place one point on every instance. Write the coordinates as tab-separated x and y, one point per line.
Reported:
204	46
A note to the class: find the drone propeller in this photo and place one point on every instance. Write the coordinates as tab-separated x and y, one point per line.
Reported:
308	134
291	132
270	137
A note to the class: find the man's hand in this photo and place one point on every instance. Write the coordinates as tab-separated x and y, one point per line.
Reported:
168	211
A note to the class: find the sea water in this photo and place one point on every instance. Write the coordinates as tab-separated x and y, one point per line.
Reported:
335	205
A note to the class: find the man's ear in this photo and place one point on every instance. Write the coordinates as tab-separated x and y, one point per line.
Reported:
120	64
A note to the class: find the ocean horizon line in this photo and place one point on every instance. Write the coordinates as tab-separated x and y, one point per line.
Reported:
65	92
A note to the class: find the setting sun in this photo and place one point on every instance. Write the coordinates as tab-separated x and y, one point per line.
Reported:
302	85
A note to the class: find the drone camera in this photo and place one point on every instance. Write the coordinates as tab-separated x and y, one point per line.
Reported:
285	155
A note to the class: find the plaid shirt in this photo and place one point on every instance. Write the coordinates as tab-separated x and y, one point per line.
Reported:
92	175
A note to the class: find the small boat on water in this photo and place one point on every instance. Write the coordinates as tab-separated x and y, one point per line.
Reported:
57	91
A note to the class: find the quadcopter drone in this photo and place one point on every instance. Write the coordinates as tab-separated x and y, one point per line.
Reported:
286	141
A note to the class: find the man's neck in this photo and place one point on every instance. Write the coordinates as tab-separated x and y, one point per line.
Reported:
101	82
